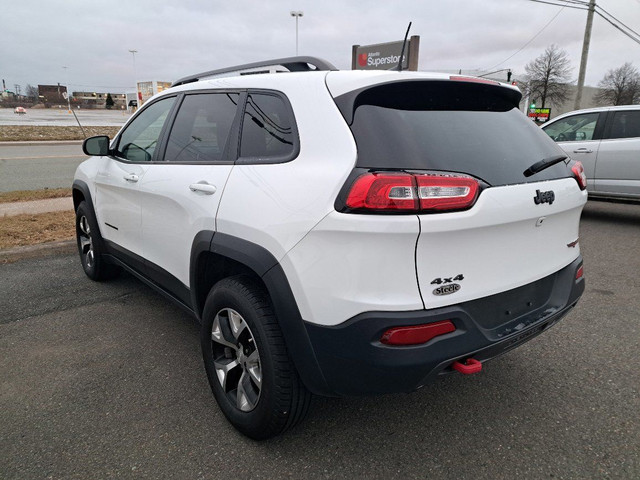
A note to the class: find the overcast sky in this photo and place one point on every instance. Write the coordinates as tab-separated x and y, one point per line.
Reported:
178	38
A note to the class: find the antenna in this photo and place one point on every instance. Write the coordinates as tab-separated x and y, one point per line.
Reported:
404	44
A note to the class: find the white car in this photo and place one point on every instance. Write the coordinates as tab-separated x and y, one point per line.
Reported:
607	142
336	232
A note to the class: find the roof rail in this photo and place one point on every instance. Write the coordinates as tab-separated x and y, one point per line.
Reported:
293	64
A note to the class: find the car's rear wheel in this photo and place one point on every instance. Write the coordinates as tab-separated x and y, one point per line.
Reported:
90	245
249	370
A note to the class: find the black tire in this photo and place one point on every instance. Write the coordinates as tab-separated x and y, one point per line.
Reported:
90	246
276	402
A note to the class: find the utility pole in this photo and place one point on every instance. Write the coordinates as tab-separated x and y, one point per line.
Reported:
585	53
66	71
135	78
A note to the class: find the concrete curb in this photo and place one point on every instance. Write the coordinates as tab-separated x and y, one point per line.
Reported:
11	255
46	205
41	142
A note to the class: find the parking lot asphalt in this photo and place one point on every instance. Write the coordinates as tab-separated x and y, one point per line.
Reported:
106	380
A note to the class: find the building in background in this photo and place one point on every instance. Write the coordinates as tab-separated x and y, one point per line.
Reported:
146	90
132	100
98	100
52	94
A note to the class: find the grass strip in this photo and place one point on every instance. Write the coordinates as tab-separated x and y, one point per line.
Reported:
28	229
23	133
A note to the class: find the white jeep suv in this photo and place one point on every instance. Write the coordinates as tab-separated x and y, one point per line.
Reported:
336	232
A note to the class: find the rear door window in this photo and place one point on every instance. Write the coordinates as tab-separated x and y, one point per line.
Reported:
460	127
200	132
625	124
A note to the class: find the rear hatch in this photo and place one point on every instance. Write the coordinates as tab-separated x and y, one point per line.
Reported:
518	227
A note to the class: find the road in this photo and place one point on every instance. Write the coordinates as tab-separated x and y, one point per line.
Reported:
106	380
32	167
61	116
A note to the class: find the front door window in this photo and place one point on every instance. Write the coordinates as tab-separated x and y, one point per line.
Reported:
139	140
577	128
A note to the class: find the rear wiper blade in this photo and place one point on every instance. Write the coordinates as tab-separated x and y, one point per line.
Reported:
544	163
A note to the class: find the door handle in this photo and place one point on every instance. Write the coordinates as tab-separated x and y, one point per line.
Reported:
582	150
205	188
131	177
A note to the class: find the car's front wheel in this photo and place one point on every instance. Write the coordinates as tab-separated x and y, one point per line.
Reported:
249	370
90	245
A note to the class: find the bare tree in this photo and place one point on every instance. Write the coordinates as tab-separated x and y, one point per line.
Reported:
549	77
620	86
32	93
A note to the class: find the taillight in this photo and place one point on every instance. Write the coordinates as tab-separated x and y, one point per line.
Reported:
404	192
383	191
416	334
446	193
581	177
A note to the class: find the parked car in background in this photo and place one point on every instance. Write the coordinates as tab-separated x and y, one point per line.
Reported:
20	110
607	142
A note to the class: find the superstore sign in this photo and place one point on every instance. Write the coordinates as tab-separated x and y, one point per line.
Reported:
375	60
383	56
539	114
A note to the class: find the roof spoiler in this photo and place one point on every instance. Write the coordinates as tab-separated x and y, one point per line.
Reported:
292	64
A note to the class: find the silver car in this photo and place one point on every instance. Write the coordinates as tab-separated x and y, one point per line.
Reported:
607	142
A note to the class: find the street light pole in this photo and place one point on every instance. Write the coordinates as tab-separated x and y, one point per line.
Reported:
135	75
297	14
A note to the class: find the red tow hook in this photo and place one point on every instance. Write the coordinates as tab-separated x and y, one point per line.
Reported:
469	367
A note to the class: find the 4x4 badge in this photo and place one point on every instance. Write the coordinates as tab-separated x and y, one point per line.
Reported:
447	289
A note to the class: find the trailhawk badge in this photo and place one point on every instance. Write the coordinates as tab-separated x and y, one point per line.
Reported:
447	289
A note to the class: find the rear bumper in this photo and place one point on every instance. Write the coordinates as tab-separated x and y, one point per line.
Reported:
354	362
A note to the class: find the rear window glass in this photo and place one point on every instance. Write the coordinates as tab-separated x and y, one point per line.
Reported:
267	128
475	129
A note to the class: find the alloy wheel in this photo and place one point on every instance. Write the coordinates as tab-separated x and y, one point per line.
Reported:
236	359
86	242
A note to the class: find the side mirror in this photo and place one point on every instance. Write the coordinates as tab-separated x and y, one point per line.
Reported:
96	146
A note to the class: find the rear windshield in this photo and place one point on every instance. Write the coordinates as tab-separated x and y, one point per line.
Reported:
462	127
